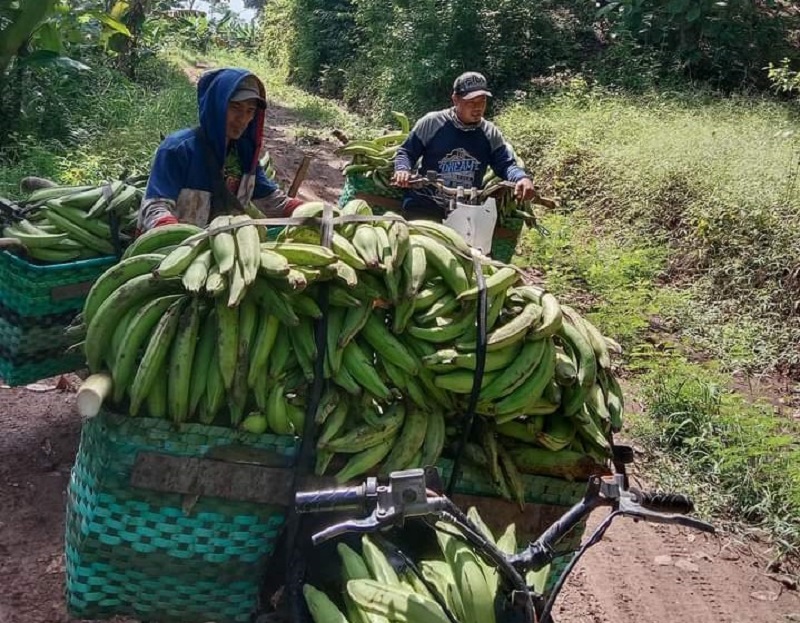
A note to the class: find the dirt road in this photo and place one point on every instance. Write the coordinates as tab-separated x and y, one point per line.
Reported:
638	574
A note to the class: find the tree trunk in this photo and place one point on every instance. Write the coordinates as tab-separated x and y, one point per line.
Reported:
134	20
32	12
12	89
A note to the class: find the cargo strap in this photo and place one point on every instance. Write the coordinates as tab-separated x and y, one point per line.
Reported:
477	379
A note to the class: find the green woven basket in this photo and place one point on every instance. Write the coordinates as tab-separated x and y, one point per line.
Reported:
354	184
37	303
35	348
550	498
148	554
39	290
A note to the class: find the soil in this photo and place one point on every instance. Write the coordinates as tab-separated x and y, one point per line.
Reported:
639	573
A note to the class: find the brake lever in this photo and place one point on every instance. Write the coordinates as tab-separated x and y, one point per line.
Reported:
628	505
357	526
406	495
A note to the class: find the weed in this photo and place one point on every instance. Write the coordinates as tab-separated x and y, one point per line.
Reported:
709	181
114	127
713	436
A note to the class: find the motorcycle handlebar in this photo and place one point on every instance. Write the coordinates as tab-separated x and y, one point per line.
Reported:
665	502
344	498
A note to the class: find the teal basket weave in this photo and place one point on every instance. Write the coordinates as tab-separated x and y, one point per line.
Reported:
35	348
37	302
354	184
146	554
39	290
555	495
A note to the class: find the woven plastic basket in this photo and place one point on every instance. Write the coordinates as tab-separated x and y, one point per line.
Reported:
547	499
354	184
158	556
35	348
39	290
37	302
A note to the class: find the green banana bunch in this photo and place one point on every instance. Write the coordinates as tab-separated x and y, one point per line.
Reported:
229	322
374	158
68	223
373	591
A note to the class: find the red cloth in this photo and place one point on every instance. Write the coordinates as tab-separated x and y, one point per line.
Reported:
166	220
292	205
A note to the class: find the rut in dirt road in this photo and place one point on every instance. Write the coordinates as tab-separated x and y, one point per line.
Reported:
653	574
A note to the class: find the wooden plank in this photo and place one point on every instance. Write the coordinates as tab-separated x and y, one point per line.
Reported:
70	291
245	482
299	176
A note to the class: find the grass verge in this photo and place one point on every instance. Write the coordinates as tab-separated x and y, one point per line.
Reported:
714	182
113	126
738	459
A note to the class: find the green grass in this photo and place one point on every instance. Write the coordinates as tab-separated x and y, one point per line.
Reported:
114	126
713	181
607	276
706	434
736	456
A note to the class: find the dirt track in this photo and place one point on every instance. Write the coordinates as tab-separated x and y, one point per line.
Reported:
638	574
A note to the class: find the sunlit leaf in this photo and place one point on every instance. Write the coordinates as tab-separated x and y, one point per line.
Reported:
49	38
118	10
112	23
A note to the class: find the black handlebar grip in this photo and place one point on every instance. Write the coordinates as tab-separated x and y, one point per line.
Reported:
667	502
346	498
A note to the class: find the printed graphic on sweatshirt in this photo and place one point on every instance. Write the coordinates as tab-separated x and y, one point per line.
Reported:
232	171
458	168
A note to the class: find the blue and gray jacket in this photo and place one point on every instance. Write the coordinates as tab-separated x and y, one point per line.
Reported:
458	152
180	181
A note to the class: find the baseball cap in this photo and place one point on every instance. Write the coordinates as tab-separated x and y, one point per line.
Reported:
471	84
248	90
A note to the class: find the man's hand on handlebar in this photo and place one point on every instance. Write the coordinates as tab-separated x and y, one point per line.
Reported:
401	178
523	189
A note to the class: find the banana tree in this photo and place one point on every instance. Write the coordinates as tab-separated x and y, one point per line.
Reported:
39	33
18	21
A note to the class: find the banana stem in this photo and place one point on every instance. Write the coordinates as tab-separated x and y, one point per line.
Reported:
92	393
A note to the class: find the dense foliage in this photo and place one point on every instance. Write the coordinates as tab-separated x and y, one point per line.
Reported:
373	53
53	53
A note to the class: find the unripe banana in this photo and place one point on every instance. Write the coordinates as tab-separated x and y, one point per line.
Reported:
155	355
364	461
176	263
408	442
152	241
322	609
444	261
223	244
180	363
